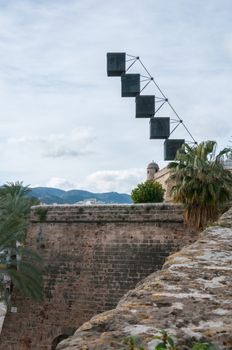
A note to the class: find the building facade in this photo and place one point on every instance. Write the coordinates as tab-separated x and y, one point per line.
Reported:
161	176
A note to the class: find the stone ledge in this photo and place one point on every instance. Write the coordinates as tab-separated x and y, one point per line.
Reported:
191	297
157	212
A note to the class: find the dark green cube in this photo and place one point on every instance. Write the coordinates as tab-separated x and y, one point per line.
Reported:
171	147
159	128
116	64
145	106
130	84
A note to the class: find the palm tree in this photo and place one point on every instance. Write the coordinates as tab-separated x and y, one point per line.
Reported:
18	265
201	182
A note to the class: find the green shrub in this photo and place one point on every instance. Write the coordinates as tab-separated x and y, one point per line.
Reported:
148	192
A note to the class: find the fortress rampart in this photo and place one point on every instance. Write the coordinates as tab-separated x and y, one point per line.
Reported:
92	255
190	298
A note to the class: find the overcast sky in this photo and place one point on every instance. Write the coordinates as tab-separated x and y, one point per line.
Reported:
63	122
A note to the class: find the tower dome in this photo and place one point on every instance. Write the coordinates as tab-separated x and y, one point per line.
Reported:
152	168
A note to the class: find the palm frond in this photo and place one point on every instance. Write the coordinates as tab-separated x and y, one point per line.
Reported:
16	261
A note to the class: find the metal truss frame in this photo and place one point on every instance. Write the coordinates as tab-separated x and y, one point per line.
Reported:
160	100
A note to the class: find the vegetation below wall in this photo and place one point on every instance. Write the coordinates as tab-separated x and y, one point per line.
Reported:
164	342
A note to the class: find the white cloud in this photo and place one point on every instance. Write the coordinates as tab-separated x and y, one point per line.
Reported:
73	144
114	180
103	181
57	182
53	81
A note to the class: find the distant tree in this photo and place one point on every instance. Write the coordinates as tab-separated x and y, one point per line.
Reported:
148	192
18	265
200	182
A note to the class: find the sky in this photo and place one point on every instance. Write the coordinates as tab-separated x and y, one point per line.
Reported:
63	121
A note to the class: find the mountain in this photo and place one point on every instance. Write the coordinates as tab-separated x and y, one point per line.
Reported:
50	195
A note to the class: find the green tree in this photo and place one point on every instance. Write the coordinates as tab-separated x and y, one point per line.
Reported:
201	182
148	192
18	265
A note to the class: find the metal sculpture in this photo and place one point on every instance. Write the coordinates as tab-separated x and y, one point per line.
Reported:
147	106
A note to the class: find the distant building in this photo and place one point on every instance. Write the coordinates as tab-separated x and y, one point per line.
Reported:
90	201
161	176
152	169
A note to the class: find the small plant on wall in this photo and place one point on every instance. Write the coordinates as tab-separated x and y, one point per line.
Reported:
165	342
41	213
148	192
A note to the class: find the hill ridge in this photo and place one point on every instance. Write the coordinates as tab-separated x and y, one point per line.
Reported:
50	195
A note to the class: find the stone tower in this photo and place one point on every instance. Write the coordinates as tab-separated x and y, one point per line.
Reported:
152	169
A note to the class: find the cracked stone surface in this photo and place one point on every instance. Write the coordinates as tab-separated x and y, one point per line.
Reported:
191	298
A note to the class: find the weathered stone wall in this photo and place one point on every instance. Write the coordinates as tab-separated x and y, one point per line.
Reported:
191	297
162	177
92	256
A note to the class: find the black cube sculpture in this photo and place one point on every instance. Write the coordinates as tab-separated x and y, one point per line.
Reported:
130	85
171	147
159	128
116	64
145	106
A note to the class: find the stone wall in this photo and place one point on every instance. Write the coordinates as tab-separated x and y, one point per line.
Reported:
191	297
92	255
162	177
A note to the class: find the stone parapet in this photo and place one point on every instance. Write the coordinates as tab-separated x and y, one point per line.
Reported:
158	212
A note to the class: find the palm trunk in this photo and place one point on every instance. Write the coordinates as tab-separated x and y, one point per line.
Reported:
198	216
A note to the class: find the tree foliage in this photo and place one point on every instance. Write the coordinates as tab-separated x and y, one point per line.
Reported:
18	265
200	182
148	192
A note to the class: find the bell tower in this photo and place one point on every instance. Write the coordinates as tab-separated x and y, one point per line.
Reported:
152	169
